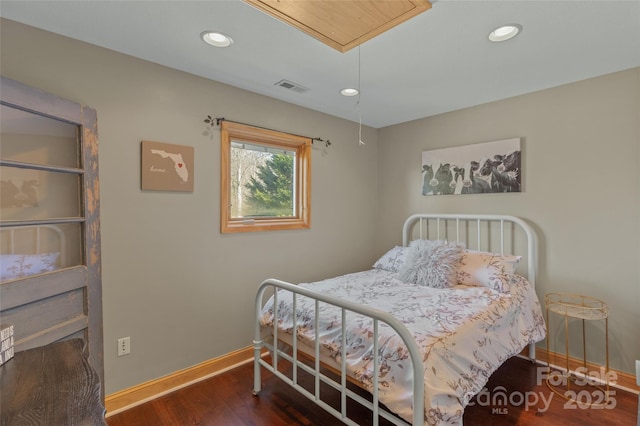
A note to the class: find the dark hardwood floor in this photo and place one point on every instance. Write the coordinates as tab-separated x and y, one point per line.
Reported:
227	400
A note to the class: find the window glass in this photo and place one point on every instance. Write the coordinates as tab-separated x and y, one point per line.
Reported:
35	249
262	181
35	139
29	194
40	181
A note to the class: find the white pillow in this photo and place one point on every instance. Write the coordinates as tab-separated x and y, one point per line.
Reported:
14	266
392	260
483	269
431	263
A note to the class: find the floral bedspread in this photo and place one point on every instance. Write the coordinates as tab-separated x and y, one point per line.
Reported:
465	334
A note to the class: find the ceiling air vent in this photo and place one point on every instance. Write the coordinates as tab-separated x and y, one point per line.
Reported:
292	86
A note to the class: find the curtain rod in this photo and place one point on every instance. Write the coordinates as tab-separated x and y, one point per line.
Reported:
210	120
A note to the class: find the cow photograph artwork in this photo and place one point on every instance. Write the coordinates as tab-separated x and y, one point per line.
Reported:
487	167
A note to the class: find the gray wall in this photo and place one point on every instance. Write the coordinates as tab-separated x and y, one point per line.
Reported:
171	281
581	181
184	292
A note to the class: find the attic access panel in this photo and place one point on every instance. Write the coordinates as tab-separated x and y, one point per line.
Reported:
342	24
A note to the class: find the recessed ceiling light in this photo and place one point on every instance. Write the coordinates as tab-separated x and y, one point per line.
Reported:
349	92
216	39
505	32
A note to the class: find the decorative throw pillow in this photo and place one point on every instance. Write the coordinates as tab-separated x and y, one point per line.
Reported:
483	269
431	263
392	260
14	266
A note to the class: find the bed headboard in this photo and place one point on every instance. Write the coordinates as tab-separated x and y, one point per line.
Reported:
33	238
493	233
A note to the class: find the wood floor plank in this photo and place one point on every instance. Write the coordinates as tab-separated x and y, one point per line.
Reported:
226	400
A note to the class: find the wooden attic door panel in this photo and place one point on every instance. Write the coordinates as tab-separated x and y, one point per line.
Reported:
343	24
66	302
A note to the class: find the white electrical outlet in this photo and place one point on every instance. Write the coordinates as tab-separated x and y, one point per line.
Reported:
124	346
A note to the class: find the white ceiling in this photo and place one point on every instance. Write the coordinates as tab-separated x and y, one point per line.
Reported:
436	62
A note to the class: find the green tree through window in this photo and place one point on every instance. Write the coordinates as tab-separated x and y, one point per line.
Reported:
271	190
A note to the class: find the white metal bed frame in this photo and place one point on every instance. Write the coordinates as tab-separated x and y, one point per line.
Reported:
38	230
453	227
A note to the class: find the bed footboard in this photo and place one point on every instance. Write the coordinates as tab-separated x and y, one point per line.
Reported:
376	317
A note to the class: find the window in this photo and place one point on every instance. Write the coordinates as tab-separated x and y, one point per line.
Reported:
265	179
41	207
50	220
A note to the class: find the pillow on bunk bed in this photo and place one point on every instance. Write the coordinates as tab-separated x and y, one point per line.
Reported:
431	263
14	266
392	260
484	269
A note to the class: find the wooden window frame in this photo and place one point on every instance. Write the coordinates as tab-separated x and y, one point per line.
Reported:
231	131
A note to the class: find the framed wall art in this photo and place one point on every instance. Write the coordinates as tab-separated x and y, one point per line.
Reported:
166	167
488	167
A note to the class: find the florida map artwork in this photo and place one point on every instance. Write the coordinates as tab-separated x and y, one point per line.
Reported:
166	167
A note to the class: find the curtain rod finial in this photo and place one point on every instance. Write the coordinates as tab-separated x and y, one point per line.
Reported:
209	120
